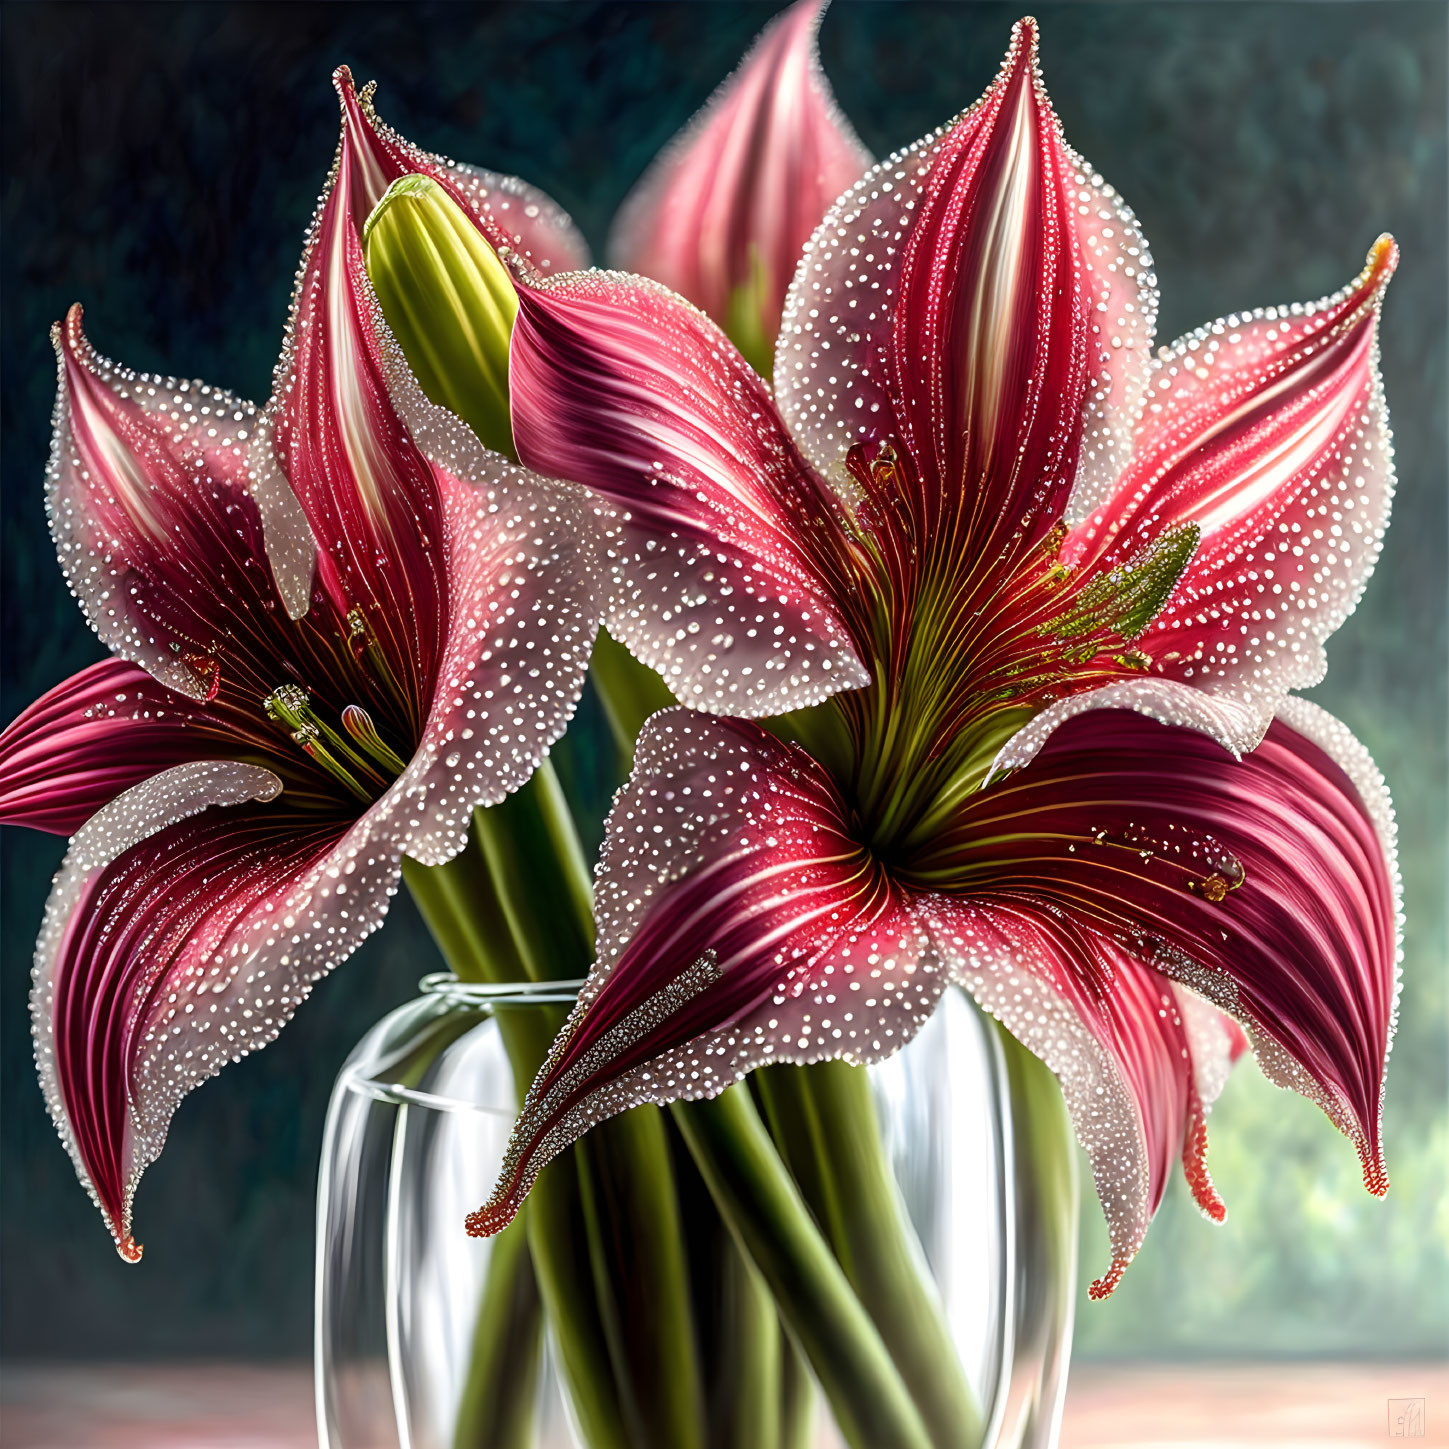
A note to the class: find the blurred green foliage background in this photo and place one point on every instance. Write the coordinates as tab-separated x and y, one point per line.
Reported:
161	164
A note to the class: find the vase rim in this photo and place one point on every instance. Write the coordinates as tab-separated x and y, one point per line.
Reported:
500	993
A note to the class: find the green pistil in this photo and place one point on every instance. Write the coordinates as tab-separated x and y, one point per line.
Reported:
358	723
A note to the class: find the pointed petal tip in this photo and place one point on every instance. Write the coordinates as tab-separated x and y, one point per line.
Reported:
1375	1171
128	1249
344	85
1023	55
68	337
1380	264
492	1217
1106	1285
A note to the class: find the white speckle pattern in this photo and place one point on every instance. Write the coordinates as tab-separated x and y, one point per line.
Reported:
103	514
734	841
214	930
1342	746
830	369
1269	432
162	801
630	390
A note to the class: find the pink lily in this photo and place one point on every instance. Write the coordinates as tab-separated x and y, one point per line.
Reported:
1077	584
724	212
339	626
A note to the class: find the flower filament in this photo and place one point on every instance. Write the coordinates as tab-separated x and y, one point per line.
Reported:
359	760
966	648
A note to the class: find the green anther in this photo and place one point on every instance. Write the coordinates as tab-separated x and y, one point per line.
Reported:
1126	599
449	302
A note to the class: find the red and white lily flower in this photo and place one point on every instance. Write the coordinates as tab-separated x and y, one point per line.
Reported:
339	625
723	214
1058	590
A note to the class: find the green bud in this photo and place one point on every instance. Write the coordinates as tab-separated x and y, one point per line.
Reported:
448	300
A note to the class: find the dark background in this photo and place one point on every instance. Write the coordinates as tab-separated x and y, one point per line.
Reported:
160	164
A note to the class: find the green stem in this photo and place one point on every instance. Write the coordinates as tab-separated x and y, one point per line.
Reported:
748	1390
540	879
1044	1183
629	692
759	1200
797	1395
824	1119
500	1391
499	1394
623	1199
462	910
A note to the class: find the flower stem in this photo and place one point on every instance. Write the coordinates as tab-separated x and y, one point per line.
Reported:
758	1198
499	1393
823	1117
1044	1154
462	910
539	878
629	692
624	1199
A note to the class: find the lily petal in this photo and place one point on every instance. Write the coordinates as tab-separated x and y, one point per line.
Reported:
1268	885
526	586
132	964
981	296
621	386
1140	1059
150	508
91	738
368	494
1223	718
738	923
724	212
1270	434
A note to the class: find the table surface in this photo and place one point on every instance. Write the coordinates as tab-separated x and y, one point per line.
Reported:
1159	1406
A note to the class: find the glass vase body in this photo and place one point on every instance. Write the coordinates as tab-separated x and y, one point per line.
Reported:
416	1132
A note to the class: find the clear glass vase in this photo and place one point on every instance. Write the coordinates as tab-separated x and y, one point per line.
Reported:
416	1131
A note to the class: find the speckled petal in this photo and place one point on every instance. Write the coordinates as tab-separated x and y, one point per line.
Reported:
724	213
1139	1058
738	924
978	293
1270	434
128	953
1268	885
369	496
150	508
621	386
92	737
526	590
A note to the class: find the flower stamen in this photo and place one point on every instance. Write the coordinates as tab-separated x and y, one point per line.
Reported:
363	775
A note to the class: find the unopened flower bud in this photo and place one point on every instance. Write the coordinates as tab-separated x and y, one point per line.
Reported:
449	302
